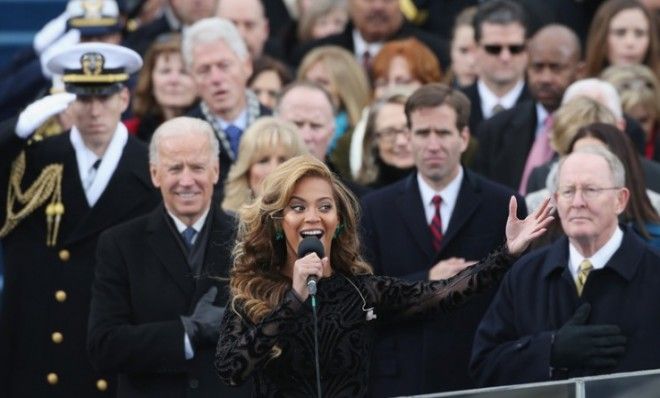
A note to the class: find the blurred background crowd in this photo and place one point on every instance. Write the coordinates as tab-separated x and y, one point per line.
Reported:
331	78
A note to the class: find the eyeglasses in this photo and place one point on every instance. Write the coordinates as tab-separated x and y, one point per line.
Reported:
389	134
588	193
496	49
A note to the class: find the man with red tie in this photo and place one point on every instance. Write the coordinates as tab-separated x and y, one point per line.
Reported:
429	226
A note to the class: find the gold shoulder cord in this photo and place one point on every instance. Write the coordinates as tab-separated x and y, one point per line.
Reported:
47	186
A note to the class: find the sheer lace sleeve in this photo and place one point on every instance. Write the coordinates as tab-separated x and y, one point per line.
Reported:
397	299
244	347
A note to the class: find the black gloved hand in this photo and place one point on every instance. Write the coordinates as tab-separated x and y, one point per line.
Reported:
203	325
577	345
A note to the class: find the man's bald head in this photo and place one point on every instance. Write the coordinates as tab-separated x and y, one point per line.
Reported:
555	62
558	36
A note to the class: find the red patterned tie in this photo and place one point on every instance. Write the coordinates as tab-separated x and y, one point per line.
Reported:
436	224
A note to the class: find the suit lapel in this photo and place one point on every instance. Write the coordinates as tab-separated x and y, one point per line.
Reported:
525	126
410	205
467	202
217	255
163	244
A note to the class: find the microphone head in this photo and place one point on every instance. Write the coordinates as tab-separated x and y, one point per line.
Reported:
311	244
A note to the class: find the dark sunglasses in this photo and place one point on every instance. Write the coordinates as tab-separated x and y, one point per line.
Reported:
496	49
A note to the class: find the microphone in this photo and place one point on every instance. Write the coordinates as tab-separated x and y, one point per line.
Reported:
311	244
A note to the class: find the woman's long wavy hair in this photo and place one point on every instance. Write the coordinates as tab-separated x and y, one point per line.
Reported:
257	281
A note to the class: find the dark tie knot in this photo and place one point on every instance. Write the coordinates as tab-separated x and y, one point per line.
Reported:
188	235
437	199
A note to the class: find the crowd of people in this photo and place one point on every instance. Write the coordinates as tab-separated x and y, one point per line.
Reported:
481	180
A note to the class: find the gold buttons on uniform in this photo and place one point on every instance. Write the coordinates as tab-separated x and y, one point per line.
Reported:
57	337
64	255
101	384
52	378
60	296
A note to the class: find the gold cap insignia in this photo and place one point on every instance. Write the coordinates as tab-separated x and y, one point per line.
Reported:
92	63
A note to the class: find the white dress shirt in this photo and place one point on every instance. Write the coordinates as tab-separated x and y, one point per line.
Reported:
180	227
360	46
489	99
449	197
598	259
94	181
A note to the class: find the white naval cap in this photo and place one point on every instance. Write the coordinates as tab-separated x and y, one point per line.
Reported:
94	17
94	68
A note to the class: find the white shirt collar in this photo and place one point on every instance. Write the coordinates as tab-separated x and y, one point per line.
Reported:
449	196
197	226
85	158
541	115
600	258
360	46
241	121
489	99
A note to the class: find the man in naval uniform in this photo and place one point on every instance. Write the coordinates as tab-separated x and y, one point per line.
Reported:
58	195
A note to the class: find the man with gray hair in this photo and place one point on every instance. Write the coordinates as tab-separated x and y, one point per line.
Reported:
584	305
218	60
156	302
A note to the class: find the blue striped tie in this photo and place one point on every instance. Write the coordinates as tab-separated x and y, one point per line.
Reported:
188	235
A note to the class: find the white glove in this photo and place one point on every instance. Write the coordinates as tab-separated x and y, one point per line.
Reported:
50	32
39	111
69	39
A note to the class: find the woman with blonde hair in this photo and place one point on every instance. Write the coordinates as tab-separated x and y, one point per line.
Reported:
321	19
269	331
567	120
639	90
622	32
337	71
267	143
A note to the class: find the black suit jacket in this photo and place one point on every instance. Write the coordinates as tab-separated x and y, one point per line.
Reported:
538	296
476	115
34	272
143	285
432	355
344	39
504	144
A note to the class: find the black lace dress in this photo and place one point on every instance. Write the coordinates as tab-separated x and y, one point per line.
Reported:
346	332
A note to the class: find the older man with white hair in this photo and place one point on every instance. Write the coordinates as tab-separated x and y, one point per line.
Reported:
156	308
218	60
584	305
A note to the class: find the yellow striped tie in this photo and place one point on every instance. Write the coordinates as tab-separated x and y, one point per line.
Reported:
582	275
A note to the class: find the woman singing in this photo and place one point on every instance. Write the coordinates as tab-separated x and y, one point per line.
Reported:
268	332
